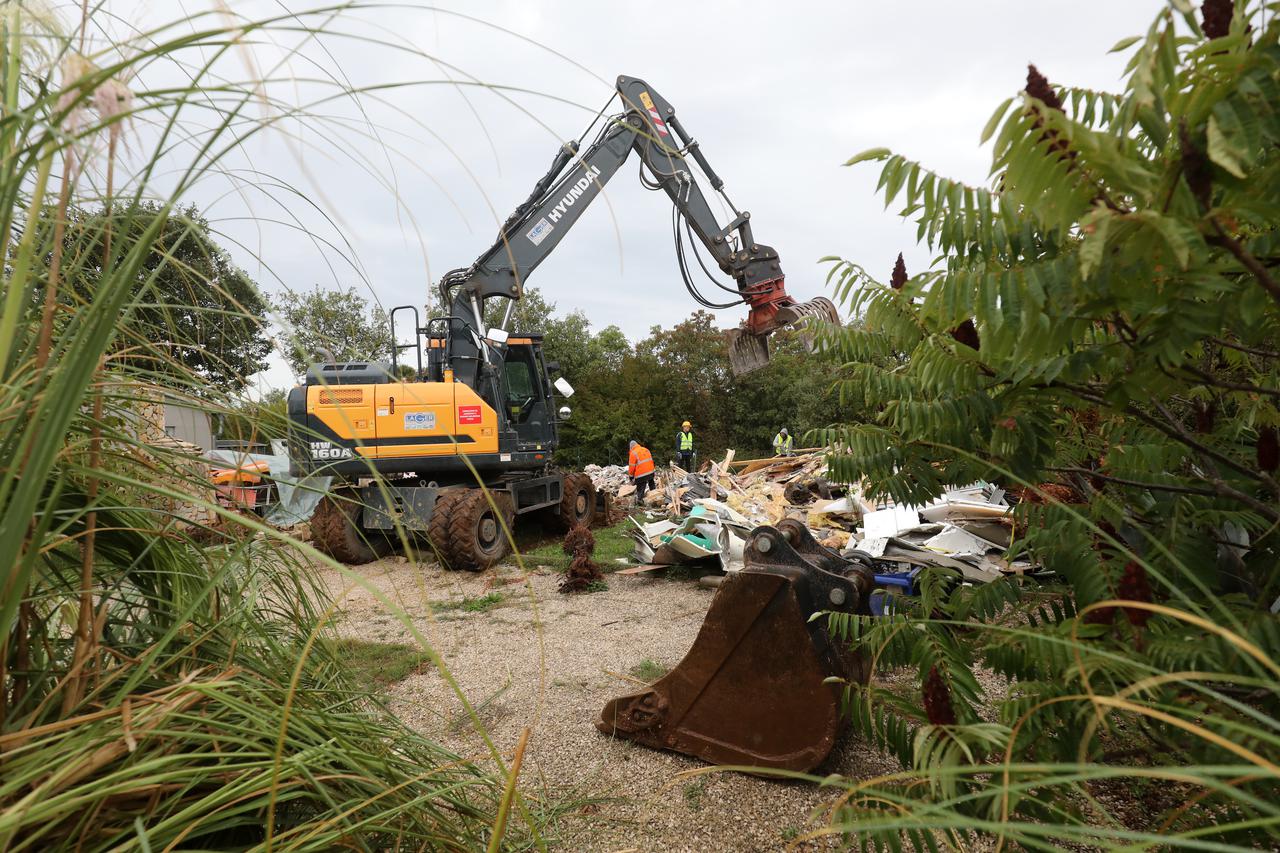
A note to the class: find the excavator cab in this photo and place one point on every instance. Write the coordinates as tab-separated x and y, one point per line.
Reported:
512	374
526	391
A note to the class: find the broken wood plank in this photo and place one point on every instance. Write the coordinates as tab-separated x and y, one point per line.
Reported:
724	471
759	465
636	570
800	452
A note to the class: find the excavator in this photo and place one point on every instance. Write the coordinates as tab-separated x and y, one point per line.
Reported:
455	444
459	441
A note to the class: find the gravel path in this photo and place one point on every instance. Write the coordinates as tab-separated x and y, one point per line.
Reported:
551	661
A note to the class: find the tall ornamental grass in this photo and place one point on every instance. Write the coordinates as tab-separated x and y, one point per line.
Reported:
165	683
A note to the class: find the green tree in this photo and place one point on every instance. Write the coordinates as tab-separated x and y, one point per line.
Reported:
794	390
321	323
693	368
197	312
607	348
566	339
612	406
256	421
1104	319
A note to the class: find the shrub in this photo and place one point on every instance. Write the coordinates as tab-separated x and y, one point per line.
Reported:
1102	321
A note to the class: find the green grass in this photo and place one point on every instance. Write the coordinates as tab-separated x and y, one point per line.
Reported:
611	543
648	670
471	604
693	794
482	603
376	665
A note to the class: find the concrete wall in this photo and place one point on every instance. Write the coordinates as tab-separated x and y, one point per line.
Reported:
188	424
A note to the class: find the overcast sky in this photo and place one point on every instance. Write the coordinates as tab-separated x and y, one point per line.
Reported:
780	94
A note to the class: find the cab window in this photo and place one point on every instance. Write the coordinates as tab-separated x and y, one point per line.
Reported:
519	380
522	383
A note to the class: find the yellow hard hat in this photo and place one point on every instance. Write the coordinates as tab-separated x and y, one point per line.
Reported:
686	424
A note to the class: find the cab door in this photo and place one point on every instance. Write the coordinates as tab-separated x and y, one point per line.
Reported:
414	419
525	397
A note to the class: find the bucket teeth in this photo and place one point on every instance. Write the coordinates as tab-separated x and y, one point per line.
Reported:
747	352
755	690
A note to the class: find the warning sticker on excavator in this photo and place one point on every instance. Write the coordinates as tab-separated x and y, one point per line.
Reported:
653	113
468	414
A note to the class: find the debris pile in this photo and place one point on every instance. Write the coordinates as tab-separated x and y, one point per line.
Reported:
611	509
583	571
711	531
610	479
966	529
675	490
710	514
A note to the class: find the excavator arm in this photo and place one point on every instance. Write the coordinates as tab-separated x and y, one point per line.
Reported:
650	128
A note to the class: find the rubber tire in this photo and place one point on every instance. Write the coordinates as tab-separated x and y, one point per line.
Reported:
456	524
335	532
575	486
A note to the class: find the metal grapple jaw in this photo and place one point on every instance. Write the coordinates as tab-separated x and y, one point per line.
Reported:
754	690
771	309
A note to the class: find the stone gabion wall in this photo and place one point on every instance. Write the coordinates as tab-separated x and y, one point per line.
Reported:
177	464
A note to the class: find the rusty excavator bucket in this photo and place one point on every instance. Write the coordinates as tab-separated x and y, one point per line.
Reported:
748	344
754	688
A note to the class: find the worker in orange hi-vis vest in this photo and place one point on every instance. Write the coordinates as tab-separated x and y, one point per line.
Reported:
640	467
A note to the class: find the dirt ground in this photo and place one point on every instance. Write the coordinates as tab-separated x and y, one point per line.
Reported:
550	661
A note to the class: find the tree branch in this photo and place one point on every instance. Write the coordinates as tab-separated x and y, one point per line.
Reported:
1210	379
1181	490
1265	353
1175	429
1267	511
1243	255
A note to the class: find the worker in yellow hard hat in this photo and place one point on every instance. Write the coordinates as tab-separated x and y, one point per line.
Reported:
686	458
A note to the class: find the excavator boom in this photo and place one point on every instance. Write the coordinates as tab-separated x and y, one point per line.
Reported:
650	128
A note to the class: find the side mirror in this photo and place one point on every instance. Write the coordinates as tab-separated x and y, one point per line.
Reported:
497	336
562	385
564	413
553	367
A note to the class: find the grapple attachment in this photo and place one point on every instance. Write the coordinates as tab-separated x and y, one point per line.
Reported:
747	352
752	690
771	309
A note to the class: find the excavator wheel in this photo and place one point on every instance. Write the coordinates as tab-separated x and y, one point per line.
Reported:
335	532
577	501
465	530
761	685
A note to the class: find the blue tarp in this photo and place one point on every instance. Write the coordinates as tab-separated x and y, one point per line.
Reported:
297	498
